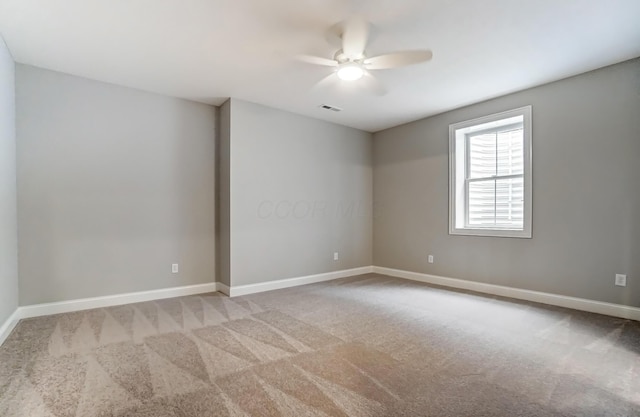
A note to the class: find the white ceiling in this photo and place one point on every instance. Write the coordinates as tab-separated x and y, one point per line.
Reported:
208	50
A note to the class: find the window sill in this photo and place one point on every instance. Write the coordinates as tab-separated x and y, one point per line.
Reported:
522	234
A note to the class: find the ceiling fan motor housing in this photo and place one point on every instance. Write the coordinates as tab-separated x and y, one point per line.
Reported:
341	57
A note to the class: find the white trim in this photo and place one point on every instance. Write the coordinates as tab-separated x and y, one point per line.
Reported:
8	326
609	309
46	309
457	183
238	290
224	288
113	300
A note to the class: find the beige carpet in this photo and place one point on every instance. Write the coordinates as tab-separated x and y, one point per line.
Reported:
363	346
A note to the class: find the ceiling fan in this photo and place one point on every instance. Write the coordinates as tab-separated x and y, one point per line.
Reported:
351	62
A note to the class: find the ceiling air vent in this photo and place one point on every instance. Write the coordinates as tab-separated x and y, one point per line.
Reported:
328	107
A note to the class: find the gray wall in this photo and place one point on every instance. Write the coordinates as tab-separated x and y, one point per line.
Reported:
114	185
224	196
8	219
301	189
586	193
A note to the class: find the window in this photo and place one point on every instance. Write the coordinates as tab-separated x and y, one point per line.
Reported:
490	175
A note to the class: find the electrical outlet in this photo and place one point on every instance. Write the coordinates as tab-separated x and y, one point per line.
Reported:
621	280
335	256
430	259
174	268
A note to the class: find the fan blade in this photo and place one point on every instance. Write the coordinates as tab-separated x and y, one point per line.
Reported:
354	37
373	84
316	60
397	59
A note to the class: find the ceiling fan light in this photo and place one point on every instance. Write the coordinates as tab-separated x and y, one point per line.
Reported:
350	72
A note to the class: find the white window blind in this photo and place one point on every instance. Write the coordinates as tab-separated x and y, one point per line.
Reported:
490	175
495	178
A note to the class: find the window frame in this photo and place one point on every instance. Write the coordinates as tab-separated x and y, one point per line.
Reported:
458	183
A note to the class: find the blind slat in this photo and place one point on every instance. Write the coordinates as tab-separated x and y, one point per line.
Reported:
496	202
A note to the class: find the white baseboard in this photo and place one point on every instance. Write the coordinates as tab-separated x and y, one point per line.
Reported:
223	288
46	309
8	326
238	290
113	300
609	309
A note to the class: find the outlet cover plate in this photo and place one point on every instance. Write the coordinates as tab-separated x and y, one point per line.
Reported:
621	280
